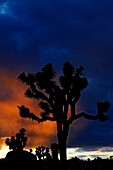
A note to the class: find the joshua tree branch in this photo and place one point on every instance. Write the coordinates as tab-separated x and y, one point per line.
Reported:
38	93
87	116
46	118
25	113
102	108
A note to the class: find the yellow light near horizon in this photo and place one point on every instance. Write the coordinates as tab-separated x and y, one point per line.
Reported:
4	138
71	153
4	151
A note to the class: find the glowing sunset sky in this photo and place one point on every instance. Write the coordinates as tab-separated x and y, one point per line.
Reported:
34	33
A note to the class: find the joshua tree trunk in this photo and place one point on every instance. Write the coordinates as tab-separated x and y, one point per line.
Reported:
62	139
62	149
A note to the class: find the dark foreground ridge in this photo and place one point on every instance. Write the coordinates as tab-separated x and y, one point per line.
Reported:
20	155
27	160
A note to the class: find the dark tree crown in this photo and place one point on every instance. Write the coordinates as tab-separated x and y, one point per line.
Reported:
18	142
55	98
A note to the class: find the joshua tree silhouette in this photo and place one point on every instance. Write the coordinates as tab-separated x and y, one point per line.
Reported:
43	152
19	142
56	99
54	149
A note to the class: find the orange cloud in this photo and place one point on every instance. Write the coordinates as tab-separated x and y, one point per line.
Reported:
11	95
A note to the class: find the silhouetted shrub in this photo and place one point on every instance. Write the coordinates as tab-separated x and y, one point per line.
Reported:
18	142
54	149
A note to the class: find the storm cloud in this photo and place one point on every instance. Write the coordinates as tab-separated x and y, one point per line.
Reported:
34	33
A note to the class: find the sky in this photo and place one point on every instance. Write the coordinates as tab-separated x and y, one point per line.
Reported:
36	32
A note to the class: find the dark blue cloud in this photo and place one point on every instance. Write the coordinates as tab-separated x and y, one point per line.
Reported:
33	33
82	28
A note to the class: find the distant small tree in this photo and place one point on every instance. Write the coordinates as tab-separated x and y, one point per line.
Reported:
30	150
54	149
19	142
57	99
40	152
47	154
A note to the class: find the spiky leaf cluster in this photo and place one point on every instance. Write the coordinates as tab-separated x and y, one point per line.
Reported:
56	97
102	108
